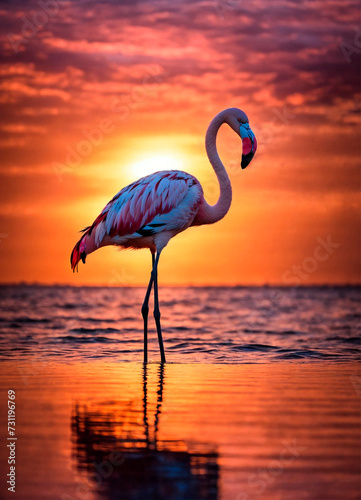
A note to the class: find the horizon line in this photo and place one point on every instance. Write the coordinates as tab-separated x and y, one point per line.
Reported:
189	285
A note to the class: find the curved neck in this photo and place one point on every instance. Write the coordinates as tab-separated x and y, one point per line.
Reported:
209	214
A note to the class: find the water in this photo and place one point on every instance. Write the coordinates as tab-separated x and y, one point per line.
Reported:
109	431
260	398
208	325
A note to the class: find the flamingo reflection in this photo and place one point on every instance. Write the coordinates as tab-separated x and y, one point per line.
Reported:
117	443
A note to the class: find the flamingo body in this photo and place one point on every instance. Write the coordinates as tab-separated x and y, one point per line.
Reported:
154	208
150	211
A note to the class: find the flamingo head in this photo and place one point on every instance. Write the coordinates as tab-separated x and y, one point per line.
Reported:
239	122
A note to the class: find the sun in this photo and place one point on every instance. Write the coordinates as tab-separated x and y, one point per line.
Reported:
155	162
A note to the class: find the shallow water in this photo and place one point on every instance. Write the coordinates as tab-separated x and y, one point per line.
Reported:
260	397
211	325
106	430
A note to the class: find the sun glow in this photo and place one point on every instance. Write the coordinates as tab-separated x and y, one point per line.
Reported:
156	162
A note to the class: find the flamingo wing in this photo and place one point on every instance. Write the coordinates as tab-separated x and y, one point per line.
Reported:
166	200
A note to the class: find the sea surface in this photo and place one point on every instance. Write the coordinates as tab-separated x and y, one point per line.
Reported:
259	399
203	325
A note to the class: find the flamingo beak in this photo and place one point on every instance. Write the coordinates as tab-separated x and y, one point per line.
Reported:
249	144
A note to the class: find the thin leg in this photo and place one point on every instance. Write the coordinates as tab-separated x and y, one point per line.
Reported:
145	311
156	309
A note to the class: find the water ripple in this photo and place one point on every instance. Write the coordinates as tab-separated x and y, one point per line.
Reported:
211	325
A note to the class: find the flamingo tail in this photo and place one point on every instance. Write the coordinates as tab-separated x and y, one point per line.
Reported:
78	254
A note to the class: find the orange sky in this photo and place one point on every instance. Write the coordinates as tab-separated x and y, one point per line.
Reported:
151	75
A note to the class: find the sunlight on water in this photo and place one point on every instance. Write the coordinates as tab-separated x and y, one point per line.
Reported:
185	432
261	398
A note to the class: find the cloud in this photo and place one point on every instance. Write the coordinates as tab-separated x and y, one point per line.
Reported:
160	68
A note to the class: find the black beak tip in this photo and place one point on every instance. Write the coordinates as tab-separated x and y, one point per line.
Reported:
246	160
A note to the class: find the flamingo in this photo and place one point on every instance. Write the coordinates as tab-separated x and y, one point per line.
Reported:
153	209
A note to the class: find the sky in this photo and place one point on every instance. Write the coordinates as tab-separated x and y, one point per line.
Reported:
96	95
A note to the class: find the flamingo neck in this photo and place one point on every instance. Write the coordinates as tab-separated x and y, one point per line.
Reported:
209	214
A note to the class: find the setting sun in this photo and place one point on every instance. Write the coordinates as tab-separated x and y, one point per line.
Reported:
156	162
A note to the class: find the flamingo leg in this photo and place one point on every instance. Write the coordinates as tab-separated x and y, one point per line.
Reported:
156	312
145	311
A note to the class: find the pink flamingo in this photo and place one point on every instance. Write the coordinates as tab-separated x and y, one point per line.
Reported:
150	211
